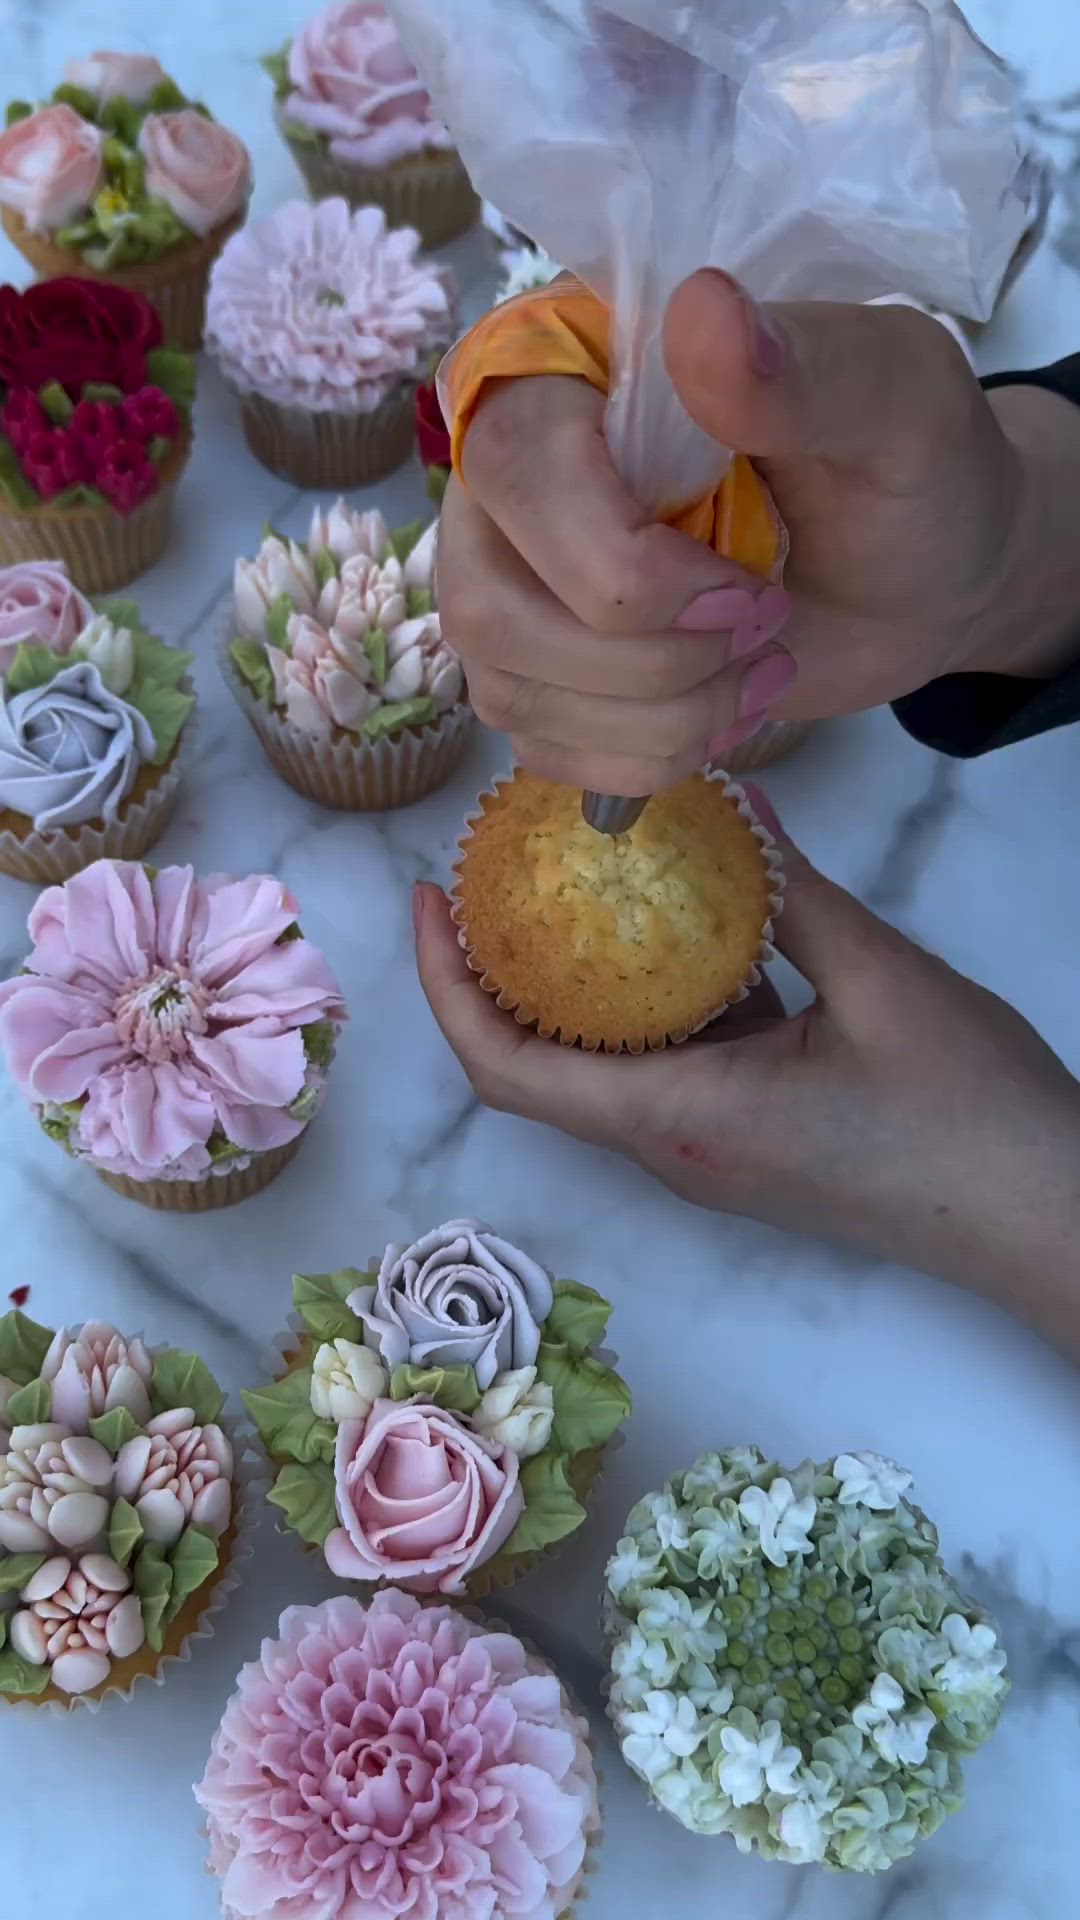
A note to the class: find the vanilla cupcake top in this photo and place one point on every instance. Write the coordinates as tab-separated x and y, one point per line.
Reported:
326	309
347	82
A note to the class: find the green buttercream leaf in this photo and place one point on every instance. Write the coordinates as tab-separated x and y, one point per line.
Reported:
418	602
294	931
303	136
305	1106
122	613
18	1676
398	714
17	1568
30	1405
320	1042
404	539
17	110
159	449
121	117
15	489
33	667
101	390
174	373
579	1316
320	1300
193	1559
285	1421
154	689
166	98
552	1508
125	1531
183	1380
277	66
83	102
57	404
3	1631
376	649
79	497
59	1122
591	1401
436	480
454	1388
326	567
23	1346
277	622
115	1429
306	1498
152	1579
221	1149
249	659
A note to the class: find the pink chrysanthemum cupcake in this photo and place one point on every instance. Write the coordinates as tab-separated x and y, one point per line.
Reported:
392	1759
173	1033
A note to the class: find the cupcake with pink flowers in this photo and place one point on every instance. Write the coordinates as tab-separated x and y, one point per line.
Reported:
359	123
119	177
335	654
393	1759
174	1034
323	321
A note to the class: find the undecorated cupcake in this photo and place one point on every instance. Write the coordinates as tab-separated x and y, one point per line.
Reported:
437	1421
120	1513
335	654
359	123
173	1033
119	177
392	1759
627	943
95	717
95	429
323	320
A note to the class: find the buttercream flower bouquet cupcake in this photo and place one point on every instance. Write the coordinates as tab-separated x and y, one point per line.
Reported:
335	655
95	430
322	320
359	123
174	1034
119	177
436	1423
121	1510
95	726
387	1758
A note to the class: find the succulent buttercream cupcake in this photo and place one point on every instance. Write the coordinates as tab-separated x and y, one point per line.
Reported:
388	1759
95	429
792	1664
120	1512
336	656
438	1421
119	177
322	320
360	124
173	1033
94	726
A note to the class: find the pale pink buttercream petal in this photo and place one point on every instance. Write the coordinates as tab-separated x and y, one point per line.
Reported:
109	921
72	1063
163	1112
244	918
264	1069
36	1015
256	1129
291	983
176	898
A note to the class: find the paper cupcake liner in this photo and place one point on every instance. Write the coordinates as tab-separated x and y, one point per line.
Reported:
646	1043
429	191
772	742
53	856
102	550
336	451
176	283
216	1190
355	776
194	1622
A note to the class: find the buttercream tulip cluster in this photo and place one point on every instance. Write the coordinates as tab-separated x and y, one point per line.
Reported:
115	1491
444	1413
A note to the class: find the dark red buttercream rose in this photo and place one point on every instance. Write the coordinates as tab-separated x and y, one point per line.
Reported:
75	331
150	415
432	434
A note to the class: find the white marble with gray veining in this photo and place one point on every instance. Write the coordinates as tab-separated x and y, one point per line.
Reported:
727	1332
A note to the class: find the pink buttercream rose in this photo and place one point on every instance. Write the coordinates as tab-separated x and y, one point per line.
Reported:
200	169
422	1499
322	681
39	607
116	76
353	82
50	167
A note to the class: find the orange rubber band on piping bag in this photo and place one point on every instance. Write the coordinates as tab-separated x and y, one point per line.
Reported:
563	328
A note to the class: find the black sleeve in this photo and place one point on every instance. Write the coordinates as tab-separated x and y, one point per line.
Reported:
966	714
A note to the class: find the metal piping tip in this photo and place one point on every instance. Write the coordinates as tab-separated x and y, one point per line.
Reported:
608	813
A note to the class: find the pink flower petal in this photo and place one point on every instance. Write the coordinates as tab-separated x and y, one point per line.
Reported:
244	918
109	921
36	1015
164	1112
176	899
263	1069
67	1069
292	984
256	1129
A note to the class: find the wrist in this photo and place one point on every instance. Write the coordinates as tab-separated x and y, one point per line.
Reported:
1035	631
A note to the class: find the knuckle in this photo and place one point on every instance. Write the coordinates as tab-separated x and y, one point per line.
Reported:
614	597
502	700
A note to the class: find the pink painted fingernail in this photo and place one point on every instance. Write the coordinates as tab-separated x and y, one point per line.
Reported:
718	611
764	682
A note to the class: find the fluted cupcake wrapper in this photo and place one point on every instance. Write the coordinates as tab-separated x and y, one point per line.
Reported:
645	1043
176	283
332	451
217	1190
355	776
101	549
429	191
772	742
50	857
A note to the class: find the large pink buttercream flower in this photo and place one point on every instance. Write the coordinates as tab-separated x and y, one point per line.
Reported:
39	607
395	1762
353	82
171	1010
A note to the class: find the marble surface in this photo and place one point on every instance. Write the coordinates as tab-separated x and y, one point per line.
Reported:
727	1332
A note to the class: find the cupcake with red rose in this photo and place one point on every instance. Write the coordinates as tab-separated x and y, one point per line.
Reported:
119	177
359	123
95	726
437	1421
95	429
173	1033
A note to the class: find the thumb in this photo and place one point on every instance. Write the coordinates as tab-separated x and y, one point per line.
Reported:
811	378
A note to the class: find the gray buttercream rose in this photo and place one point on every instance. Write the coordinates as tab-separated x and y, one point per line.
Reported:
70	750
459	1296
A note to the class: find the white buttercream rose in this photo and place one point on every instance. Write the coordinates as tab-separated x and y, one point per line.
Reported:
346	1381
517	1411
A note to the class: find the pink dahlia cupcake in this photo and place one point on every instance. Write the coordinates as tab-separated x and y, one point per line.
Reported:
359	123
335	654
323	322
387	1760
173	1033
